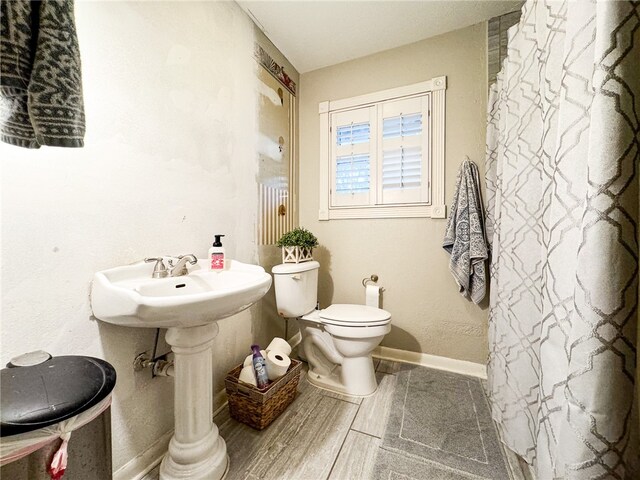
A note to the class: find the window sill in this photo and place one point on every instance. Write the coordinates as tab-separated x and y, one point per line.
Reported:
378	211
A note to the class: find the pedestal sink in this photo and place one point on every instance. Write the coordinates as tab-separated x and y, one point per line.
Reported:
189	306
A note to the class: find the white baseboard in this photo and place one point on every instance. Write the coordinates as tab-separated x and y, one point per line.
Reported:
432	361
142	464
139	466
219	398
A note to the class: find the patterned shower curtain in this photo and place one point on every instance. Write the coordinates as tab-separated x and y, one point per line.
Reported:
563	168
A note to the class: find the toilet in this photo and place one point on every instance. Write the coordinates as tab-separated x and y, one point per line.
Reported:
336	342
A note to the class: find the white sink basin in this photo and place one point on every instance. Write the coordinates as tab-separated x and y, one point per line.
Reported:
129	296
188	306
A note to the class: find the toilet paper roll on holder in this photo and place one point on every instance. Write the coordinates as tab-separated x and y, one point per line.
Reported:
372	279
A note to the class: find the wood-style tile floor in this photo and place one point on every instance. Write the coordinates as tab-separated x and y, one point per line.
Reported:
321	436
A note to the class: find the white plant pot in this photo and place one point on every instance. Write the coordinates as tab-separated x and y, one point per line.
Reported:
296	254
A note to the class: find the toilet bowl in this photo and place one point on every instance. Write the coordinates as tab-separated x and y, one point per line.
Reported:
337	341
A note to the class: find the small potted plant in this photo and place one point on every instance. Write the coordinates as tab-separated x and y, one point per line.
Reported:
297	245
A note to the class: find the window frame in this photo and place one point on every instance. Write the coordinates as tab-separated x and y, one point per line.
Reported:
435	206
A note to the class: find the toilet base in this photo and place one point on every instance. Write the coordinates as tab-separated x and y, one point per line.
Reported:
362	385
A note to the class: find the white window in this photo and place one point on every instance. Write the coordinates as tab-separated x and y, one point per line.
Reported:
353	146
382	154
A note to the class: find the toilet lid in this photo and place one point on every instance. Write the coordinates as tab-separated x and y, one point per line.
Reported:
354	315
289	268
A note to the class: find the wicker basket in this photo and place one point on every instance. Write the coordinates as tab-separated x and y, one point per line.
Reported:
258	408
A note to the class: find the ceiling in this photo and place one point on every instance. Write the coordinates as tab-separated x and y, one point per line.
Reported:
316	34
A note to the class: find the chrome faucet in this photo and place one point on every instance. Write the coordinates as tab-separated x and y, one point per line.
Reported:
159	269
180	268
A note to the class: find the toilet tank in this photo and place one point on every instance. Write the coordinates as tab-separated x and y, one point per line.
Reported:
296	287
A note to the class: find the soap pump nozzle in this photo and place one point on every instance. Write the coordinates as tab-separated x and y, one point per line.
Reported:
217	242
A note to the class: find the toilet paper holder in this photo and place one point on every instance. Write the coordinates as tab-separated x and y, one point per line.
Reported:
372	279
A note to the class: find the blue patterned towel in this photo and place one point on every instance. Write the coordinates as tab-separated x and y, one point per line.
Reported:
465	237
40	78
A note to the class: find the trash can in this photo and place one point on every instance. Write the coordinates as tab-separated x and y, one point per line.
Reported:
54	416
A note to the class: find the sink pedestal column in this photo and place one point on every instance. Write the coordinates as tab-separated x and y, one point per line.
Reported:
196	450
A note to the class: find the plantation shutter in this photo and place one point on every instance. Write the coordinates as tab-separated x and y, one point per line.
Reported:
353	157
403	151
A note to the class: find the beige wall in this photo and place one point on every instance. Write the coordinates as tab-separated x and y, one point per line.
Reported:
428	313
169	160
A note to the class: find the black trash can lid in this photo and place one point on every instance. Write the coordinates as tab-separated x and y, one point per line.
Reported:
56	389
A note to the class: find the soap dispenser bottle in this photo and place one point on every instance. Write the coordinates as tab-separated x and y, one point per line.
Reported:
216	255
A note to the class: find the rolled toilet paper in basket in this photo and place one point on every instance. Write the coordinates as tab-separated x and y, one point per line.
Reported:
247	375
249	359
279	345
277	364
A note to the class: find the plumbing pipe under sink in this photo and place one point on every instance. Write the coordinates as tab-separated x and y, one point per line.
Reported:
163	368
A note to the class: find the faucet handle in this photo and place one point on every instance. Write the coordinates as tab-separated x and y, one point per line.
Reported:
159	269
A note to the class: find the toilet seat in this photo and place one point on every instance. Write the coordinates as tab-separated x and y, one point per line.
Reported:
350	315
356	333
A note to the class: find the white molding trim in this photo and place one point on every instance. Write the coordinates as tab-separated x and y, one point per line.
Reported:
432	361
382	95
381	211
323	107
436	208
141	464
219	398
438	122
438	211
323	177
439	83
